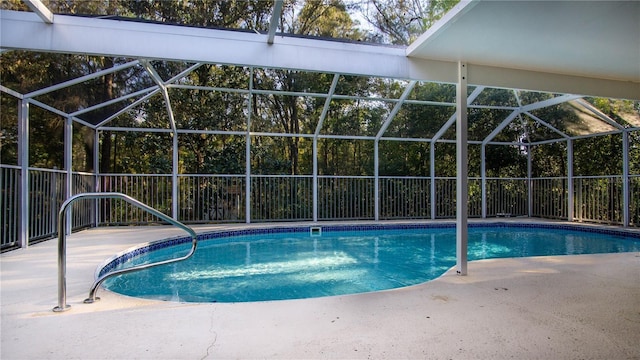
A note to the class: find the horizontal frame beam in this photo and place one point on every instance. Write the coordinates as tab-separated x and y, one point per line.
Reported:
77	35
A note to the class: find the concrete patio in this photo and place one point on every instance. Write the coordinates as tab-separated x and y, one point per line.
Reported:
557	307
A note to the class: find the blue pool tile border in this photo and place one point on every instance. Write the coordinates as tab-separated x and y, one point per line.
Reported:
222	234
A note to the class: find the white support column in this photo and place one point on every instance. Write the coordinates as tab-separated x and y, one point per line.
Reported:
376	181
247	155
529	182
174	177
247	179
315	178
432	173
96	171
23	161
626	192
462	171
68	167
483	176
570	215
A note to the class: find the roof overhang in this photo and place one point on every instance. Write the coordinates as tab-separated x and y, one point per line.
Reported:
588	39
108	37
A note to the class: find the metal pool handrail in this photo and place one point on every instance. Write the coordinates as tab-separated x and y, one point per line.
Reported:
62	246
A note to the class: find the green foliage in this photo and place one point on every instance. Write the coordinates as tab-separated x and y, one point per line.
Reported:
296	111
8	129
320	18
402	21
404	158
505	161
606	161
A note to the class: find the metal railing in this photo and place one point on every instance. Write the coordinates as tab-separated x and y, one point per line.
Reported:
508	197
285	198
154	190
223	198
634	200
46	194
9	205
346	198
405	198
211	198
550	198
62	246
598	199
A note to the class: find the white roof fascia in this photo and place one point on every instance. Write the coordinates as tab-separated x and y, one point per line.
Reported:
564	41
103	37
551	82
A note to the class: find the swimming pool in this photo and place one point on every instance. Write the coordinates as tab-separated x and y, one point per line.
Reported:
292	262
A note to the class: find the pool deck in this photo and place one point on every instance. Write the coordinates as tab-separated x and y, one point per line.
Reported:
556	307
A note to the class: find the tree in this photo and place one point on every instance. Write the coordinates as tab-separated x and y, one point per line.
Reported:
401	21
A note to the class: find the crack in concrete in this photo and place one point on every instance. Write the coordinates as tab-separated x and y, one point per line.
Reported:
215	338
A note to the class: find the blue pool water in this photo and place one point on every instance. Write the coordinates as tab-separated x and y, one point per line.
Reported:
292	265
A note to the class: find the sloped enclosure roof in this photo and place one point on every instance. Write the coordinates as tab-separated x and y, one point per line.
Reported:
582	47
599	39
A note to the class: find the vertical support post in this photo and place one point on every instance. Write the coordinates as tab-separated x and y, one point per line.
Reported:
247	154
174	177
376	175
462	171
96	171
23	161
570	205
483	176
529	182
315	178
247	181
626	189
432	173
68	166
